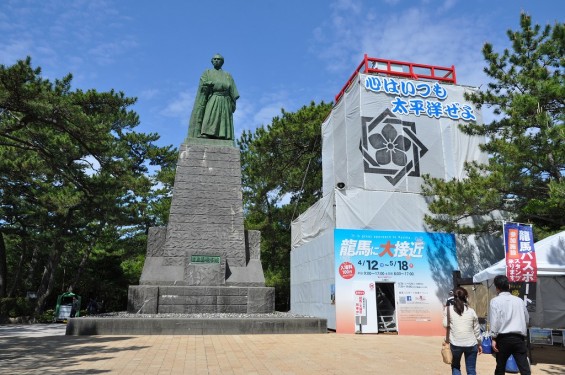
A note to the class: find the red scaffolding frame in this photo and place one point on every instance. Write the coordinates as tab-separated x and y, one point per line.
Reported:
402	69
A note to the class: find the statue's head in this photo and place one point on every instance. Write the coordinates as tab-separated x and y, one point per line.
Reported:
217	61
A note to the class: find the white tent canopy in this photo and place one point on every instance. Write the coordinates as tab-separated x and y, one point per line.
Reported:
550	259
550	287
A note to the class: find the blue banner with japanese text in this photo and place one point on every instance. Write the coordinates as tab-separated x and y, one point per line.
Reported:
392	280
521	265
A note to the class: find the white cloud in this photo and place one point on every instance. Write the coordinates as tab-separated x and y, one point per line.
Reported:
424	39
448	4
180	106
148	94
252	114
411	34
59	31
249	117
107	53
346	6
264	115
13	51
242	117
271	105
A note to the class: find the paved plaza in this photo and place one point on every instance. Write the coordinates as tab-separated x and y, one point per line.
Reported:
44	349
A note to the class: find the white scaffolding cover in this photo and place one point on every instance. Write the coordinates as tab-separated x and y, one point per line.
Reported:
443	148
372	161
379	196
314	222
360	209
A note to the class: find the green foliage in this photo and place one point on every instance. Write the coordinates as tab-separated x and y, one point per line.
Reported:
78	187
14	307
282	177
524	179
132	267
280	280
46	316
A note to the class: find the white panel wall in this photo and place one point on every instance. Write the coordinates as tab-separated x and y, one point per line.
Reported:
311	277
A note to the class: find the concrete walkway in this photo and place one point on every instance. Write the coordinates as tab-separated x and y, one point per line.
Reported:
43	349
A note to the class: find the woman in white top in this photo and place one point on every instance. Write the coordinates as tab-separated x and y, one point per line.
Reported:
465	333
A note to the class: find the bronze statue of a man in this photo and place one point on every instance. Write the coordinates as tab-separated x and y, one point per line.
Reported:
212	114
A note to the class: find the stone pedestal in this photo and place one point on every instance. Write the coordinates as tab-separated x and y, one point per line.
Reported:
204	260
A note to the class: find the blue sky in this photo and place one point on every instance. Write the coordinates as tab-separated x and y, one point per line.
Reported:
282	54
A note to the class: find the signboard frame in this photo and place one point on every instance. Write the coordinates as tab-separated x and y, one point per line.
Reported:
411	261
541	336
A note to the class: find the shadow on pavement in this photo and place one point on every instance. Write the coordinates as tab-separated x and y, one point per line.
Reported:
553	355
53	354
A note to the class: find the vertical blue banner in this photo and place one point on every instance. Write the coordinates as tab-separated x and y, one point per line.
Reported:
521	265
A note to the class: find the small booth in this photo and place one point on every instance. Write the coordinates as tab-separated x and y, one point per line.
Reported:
64	306
545	298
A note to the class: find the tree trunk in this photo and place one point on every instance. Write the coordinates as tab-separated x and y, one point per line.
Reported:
48	278
86	254
33	265
80	267
3	268
17	275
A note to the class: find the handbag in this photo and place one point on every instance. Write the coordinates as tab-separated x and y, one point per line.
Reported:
511	365
446	353
486	345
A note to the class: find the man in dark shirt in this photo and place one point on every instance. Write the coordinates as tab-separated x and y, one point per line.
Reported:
74	307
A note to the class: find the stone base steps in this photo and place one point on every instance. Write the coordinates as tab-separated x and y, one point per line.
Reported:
167	299
191	326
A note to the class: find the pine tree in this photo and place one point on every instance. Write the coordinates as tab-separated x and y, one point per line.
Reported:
282	178
74	181
524	178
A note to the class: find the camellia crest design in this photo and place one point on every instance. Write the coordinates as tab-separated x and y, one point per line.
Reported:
390	147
